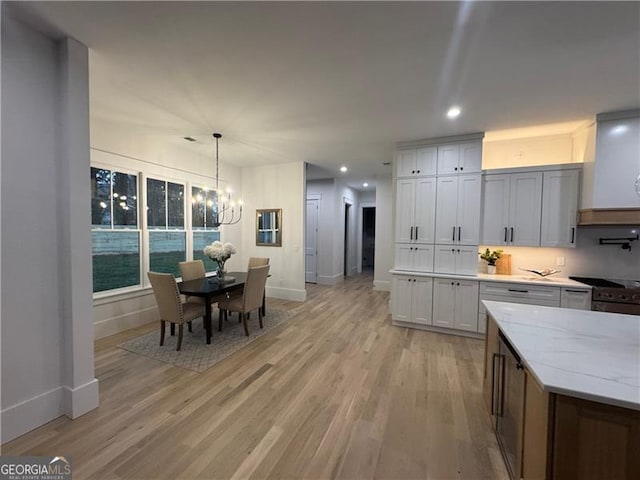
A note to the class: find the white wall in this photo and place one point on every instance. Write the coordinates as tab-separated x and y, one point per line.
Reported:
344	195
270	187
115	146
385	225
47	332
524	152
587	259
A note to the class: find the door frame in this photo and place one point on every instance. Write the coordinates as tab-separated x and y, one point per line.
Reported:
317	198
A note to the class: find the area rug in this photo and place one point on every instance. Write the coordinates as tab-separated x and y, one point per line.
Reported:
195	354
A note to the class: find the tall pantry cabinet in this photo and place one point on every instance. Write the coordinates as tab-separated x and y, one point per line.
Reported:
438	202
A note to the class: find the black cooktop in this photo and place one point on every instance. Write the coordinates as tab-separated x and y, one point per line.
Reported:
597	282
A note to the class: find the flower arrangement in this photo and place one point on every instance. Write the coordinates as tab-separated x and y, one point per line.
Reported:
490	257
219	252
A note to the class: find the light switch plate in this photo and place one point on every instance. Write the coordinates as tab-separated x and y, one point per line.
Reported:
560	261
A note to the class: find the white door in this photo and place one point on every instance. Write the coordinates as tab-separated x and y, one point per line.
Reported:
448	158
466	317
575	298
469	197
466	259
525	197
444	259
405	210
426	161
443	302
401	288
422	300
311	242
425	210
403	257
559	208
495	210
406	163
446	210
423	258
470	157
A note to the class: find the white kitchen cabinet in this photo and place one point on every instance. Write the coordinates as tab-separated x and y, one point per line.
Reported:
559	208
459	158
458	210
415	210
578	298
416	162
455	304
413	257
512	209
458	259
412	299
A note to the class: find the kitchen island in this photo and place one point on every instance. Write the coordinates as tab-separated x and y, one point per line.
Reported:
563	387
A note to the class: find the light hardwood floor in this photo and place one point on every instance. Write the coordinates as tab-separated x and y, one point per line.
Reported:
334	392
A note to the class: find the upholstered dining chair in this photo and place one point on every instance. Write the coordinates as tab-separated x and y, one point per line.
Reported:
250	300
258	261
171	308
191	271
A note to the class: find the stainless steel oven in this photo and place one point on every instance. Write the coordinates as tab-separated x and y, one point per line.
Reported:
508	404
613	296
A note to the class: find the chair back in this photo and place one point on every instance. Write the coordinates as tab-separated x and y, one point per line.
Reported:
192	270
167	296
258	262
254	288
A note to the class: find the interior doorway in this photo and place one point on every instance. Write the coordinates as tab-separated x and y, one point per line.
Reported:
368	238
347	238
311	242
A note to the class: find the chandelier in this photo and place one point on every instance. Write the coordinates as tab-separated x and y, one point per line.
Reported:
226	208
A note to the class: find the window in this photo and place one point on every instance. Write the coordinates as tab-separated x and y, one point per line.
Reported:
165	222
115	233
204	205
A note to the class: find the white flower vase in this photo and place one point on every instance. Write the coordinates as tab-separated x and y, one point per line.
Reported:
491	269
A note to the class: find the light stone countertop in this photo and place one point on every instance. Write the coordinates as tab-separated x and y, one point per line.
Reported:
550	281
590	355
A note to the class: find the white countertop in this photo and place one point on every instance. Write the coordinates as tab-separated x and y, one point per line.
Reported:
590	355
550	281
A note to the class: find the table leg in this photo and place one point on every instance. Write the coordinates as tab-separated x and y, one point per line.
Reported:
207	319
264	304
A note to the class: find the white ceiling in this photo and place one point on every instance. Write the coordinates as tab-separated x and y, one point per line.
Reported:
339	83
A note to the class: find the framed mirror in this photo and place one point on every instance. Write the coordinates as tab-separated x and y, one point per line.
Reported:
269	227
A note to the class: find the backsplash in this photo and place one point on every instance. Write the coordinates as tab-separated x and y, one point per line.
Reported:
587	259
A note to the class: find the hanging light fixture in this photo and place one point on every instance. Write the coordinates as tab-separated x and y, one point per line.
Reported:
226	208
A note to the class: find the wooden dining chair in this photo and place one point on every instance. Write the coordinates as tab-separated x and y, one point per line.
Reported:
170	306
250	300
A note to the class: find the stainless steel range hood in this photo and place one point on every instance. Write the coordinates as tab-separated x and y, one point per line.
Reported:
611	175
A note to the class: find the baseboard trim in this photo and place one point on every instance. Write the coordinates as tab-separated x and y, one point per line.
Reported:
292	294
382	285
113	325
330	279
82	399
29	414
431	328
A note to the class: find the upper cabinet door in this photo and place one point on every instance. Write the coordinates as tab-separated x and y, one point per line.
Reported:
447	210
495	210
426	161
405	211
406	163
448	158
525	201
425	210
470	157
469	194
560	208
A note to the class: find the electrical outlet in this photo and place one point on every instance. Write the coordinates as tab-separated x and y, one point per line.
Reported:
560	261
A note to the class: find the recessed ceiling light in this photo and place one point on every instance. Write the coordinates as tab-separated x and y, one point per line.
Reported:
454	112
365	184
343	169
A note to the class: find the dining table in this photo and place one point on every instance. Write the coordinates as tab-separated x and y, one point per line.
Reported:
212	288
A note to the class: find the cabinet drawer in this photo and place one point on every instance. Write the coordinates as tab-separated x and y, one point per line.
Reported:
520	291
